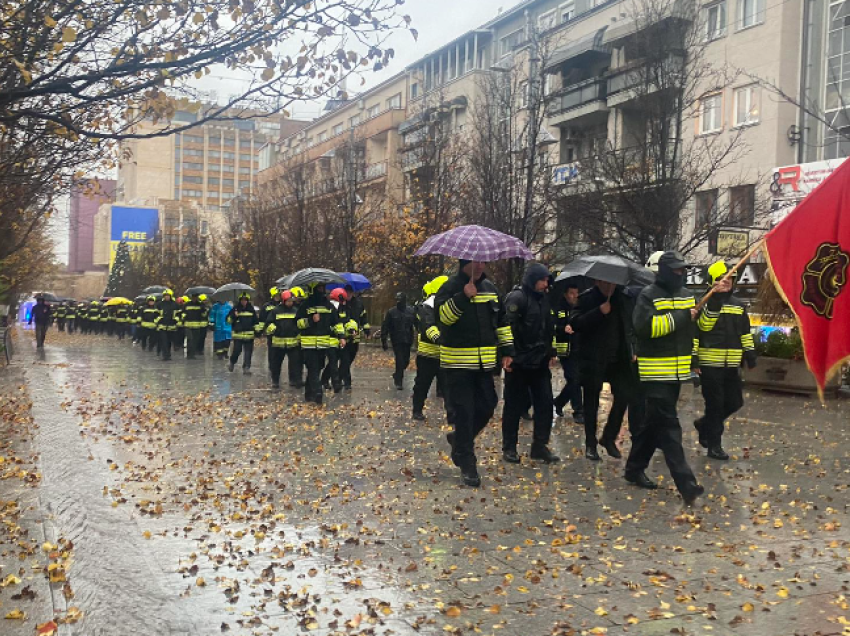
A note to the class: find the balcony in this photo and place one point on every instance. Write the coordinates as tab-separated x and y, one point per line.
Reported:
413	158
633	81
566	174
375	171
579	100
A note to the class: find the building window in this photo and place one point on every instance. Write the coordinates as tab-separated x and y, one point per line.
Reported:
337	130
747	105
226	168
214	154
354	121
227	183
193	139
374	111
838	59
510	42
547	20
742	206
750	13
192	193
524	88
715	20
244	184
567	11
211	194
193	166
244	170
229	141
212	181
394	101
706	212
191	152
229	155
245	157
414	90
323	136
710	113
176	193
244	143
193	179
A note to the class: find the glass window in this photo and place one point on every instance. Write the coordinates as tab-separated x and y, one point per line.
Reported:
715	20
706	212
747	105
229	141
227	168
337	130
374	111
214	154
227	183
742	206
193	166
244	184
567	11
193	139
750	13
212	194
213	181
710	119
354	121
510	42
192	152
547	20
244	143
394	101
414	90
244	170
229	155
193	179
524	88
245	157
323	135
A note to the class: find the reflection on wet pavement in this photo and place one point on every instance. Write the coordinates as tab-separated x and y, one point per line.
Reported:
179	498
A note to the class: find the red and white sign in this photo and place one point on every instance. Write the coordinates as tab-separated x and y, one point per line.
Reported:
791	184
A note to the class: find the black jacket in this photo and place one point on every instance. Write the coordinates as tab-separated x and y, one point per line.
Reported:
428	344
244	321
169	315
40	314
725	339
195	315
604	339
565	344
666	335
471	330
399	325
324	334
533	327
281	327
357	311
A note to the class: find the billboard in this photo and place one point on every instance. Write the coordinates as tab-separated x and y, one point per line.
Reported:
791	184
134	225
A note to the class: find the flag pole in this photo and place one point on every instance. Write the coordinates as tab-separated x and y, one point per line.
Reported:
758	245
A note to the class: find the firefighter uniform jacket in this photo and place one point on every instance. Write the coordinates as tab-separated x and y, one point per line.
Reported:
666	336
169	315
104	314
265	313
357	311
563	340
325	333
281	326
71	312
428	344
351	328
61	312
245	321
471	329
122	315
725	338
195	315
148	316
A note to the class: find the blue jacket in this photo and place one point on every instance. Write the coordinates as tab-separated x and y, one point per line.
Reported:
218	321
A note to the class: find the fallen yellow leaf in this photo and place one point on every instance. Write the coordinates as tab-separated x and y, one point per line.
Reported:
16	615
748	607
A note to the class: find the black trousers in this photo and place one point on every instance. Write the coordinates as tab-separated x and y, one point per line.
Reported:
402	360
238	346
314	359
427	370
724	396
221	347
202	341
143	334
60	322
40	334
167	339
519	384
471	396
279	354
269	351
661	430
354	348
71	322
346	357
331	372
629	398
194	340
571	393
623	384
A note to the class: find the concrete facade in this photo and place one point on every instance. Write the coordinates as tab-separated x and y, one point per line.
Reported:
86	199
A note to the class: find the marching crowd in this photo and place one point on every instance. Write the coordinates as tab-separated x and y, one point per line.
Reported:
645	341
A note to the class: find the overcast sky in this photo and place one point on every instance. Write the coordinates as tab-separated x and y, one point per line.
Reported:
437	21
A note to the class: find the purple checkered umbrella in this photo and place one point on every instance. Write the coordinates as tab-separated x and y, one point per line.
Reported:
475	243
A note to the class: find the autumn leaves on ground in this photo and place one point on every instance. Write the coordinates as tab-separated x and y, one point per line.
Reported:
232	508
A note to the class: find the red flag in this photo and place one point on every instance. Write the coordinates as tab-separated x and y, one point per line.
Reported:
809	253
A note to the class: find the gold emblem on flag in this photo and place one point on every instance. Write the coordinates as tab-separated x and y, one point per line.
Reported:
824	279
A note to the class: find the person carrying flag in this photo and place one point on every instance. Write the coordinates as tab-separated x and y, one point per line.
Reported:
725	343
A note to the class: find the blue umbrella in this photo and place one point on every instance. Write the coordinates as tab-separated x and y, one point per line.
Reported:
357	281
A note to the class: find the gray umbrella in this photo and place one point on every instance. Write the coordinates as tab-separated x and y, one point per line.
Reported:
611	269
154	289
314	275
201	289
285	282
232	291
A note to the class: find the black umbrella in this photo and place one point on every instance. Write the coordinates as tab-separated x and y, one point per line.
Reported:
154	289
232	291
48	297
611	269
285	282
313	276
140	298
209	291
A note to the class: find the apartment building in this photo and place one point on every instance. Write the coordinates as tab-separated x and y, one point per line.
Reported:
351	150
207	165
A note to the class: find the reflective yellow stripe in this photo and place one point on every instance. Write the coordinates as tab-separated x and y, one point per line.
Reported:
720	357
243	335
449	313
428	349
287	343
707	320
433	334
668	304
732	309
468	357
302	323
505	336
665	369
662	325
747	342
562	348
484	298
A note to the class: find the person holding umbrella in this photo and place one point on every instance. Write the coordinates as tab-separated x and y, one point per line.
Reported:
320	330
282	328
667	354
399	326
243	317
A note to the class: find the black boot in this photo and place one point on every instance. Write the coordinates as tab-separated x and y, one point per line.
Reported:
511	456
640	479
592	454
542	453
691	497
470	476
418	416
610	447
717	452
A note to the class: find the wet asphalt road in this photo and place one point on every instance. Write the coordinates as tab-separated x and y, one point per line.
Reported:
178	498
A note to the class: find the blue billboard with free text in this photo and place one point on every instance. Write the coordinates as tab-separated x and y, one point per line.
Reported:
134	225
